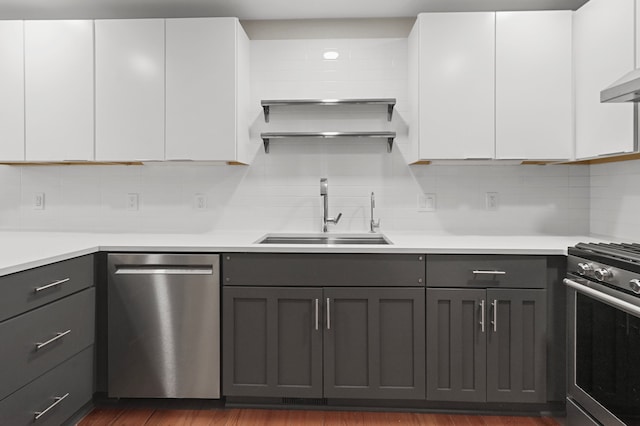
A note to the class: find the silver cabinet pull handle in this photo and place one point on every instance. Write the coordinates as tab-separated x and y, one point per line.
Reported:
482	325
57	400
495	315
481	272
317	315
328	315
53	284
53	339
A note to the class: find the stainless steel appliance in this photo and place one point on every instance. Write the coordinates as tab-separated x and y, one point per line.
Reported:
604	334
163	326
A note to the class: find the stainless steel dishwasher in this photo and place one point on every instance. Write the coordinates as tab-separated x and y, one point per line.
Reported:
163	326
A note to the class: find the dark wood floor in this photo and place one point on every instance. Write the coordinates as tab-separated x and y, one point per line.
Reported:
246	417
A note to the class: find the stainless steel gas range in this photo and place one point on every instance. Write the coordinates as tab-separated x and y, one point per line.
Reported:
604	334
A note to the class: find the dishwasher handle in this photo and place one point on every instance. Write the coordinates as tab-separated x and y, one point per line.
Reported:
164	270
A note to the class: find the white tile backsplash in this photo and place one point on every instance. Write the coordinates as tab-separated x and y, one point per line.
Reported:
280	191
615	200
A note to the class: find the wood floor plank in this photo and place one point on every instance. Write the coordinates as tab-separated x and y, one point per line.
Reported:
168	417
401	419
304	417
100	417
133	417
251	417
257	417
371	418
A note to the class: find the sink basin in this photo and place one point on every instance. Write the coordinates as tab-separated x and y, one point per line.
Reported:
325	239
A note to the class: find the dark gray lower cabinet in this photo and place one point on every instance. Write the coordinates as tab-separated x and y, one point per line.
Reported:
374	343
272	342
456	345
486	345
324	342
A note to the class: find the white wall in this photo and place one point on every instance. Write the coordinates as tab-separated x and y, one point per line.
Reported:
615	200
280	190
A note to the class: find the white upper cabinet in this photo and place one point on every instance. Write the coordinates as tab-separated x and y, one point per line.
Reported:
204	105
533	85
453	115
59	90
129	81
604	51
11	91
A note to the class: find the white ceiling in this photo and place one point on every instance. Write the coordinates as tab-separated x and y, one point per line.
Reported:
261	9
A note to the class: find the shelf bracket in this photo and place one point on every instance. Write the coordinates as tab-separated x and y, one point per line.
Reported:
265	108
265	142
389	144
390	112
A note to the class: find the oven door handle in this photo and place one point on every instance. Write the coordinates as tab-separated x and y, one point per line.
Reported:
603	297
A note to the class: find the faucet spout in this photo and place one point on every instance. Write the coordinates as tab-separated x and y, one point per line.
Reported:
324	192
373	224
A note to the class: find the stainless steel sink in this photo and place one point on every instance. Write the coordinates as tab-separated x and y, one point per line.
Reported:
325	239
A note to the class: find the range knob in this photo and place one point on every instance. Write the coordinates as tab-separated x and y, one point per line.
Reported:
635	286
585	268
602	274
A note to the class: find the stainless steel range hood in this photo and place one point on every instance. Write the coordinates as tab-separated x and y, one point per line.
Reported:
626	89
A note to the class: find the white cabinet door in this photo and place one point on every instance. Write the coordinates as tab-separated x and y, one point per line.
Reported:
456	85
59	90
11	91
129	89
201	89
604	51
533	85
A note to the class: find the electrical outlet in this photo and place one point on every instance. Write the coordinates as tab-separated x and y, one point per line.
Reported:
200	202
132	202
426	202
491	201
38	201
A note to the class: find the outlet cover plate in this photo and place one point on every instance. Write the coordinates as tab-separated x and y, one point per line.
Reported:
427	202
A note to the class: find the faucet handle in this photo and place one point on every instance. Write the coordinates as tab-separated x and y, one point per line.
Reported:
337	219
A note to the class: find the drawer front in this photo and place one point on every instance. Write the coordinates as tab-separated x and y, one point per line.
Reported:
486	271
27	290
74	379
35	342
320	269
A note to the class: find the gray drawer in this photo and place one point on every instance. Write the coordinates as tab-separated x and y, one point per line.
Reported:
20	360
475	271
320	269
74	377
19	290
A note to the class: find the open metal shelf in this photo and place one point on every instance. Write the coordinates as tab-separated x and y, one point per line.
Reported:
268	136
389	102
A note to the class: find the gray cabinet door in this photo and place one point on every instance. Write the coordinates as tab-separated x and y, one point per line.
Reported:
374	343
272	342
516	346
456	345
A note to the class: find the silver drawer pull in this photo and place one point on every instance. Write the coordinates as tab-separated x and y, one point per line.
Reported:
57	400
53	339
478	272
53	284
482	313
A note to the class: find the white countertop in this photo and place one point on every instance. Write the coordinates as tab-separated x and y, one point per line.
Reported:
24	250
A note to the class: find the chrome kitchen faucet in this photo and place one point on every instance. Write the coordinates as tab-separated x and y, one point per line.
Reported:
324	192
373	224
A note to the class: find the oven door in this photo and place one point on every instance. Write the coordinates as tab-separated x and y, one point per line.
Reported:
604	352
